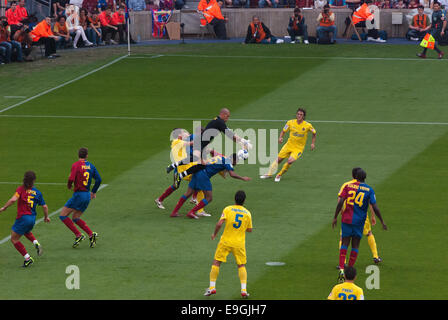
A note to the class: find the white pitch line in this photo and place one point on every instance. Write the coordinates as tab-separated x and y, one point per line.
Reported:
14	97
231	120
50	215
283	57
63	84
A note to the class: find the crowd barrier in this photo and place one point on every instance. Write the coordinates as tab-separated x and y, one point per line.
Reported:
393	21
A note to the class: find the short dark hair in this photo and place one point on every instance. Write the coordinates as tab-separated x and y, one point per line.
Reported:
303	110
354	171
420	7
436	2
327	6
240	197
82	153
28	179
361	175
350	273
297	10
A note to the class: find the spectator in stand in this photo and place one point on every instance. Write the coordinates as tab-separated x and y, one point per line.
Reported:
268	3
60	29
326	24
399	5
297	26
118	20
413	4
426	3
237	3
11	47
42	34
83	19
93	31
257	32
13	17
386	5
89	5
212	15
307	3
103	4
166	4
21	15
107	27
23	36
137	5
419	26
319	4
353	4
75	28
337	4
59	7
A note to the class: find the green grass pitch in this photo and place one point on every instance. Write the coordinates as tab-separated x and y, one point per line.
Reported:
144	254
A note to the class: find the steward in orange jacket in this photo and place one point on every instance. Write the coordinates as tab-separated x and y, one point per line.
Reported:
211	14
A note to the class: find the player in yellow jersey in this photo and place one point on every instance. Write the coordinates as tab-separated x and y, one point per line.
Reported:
369	223
238	221
293	149
181	140
347	290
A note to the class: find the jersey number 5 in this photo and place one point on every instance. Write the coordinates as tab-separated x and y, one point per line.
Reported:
238	222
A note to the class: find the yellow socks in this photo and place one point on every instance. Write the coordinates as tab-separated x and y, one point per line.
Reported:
213	276
273	168
242	273
372	245
284	169
199	197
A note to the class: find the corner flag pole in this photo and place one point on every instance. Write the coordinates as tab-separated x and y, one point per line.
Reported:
128	23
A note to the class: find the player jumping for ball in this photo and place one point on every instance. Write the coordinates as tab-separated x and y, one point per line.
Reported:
293	149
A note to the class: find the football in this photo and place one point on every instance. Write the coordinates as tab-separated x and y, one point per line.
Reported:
243	154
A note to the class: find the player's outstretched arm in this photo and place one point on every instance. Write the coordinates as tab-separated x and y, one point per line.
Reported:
9	203
313	142
45	208
236	176
336	213
378	214
217	228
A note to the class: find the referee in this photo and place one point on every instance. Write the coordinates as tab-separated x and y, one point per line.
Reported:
216	126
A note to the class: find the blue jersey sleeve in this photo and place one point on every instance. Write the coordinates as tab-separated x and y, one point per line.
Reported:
372	197
228	167
40	200
97	178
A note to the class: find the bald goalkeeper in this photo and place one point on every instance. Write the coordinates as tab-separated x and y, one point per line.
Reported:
216	126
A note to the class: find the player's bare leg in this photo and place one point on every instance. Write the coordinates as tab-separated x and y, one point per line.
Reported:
285	168
214	272
272	169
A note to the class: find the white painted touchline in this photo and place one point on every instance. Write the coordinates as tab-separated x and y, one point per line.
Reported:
14	97
50	215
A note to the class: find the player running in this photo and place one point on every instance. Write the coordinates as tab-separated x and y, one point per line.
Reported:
293	149
81	176
347	290
182	141
212	130
28	198
238	221
367	231
201	181
357	197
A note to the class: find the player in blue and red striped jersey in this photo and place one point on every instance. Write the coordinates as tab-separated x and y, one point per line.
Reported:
28	198
357	197
81	176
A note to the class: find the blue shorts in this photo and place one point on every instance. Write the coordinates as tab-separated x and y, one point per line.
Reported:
352	230
200	181
24	224
79	201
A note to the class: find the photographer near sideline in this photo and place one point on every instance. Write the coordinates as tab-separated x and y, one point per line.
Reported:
8	47
257	32
326	25
297	27
23	37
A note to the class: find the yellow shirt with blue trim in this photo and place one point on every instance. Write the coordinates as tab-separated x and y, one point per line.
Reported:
298	133
178	149
238	220
346	291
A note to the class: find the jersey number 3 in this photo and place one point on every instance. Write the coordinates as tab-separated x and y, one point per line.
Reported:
86	175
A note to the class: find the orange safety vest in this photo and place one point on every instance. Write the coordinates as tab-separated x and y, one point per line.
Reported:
209	10
261	34
326	22
419	21
42	30
362	14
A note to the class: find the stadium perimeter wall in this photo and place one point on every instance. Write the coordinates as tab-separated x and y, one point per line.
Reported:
275	19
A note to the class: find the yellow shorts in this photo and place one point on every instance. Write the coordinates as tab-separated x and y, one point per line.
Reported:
367	227
287	152
222	251
184	167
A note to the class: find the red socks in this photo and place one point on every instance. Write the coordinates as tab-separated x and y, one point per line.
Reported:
21	248
342	255
179	204
30	236
353	256
82	224
198	207
69	223
167	192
